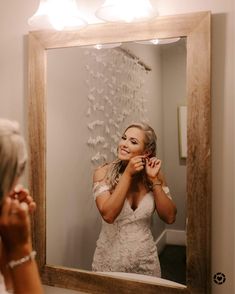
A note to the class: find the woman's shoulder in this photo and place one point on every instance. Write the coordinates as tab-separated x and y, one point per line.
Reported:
100	172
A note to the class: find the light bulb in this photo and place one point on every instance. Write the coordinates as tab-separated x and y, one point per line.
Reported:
160	41
107	46
155	41
98	46
57	14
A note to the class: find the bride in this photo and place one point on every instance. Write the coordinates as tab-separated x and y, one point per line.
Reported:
127	191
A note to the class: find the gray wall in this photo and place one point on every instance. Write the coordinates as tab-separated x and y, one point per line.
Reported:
174	95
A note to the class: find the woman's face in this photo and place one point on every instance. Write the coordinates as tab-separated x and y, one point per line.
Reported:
131	144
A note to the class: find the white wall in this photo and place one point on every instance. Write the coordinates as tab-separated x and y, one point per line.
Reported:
174	95
69	169
13	83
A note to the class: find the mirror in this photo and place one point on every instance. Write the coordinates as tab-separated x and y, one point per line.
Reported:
86	85
196	29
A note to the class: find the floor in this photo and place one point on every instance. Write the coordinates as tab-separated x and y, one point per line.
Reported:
173	263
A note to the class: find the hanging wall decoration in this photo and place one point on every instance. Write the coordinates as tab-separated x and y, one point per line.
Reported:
115	97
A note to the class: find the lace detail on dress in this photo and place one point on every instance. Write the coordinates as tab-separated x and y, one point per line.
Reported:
127	244
99	188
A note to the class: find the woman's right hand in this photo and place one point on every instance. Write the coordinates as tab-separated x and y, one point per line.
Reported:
22	195
135	165
15	233
15	228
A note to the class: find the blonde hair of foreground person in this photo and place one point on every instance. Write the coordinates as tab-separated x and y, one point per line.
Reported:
19	272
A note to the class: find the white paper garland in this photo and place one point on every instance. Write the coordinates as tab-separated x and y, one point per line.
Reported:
115	99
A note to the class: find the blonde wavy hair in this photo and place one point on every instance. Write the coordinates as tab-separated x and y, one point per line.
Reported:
117	166
13	155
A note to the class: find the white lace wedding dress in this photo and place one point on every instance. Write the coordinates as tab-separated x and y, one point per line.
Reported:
127	245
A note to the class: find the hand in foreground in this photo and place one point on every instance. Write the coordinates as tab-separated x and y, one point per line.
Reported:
136	164
16	246
22	195
152	167
15	227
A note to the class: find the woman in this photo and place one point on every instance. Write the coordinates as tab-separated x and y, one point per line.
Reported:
127	191
19	271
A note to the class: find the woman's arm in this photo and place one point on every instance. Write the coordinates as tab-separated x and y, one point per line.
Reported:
165	207
111	204
16	241
25	276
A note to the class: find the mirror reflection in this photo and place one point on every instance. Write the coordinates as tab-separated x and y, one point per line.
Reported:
93	95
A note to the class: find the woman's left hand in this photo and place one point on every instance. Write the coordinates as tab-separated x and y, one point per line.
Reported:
152	167
22	195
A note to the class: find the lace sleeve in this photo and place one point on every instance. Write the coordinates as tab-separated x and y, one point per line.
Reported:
99	188
167	191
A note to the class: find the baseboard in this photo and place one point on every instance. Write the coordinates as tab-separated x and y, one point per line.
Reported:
161	242
170	237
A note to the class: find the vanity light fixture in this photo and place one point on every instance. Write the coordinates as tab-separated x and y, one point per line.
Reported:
159	41
125	11
57	14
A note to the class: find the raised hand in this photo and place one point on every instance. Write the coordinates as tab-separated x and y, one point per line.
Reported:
152	167
22	195
136	164
14	225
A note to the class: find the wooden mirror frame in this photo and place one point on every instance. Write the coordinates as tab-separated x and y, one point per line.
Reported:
196	27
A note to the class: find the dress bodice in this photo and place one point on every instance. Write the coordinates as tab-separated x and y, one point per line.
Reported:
130	221
127	244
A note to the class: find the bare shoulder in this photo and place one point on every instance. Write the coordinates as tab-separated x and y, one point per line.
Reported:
100	172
